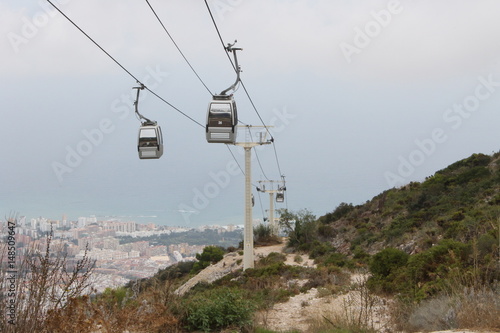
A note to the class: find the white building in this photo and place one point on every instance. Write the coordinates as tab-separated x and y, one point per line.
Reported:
82	222
22	221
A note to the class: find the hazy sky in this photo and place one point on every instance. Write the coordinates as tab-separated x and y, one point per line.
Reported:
364	96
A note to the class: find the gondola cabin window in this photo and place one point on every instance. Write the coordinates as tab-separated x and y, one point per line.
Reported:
147	137
220	115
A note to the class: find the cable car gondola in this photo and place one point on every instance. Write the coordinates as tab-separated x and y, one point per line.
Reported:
280	194
150	141
222	120
222	116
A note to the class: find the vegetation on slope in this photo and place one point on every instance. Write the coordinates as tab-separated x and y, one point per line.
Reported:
444	226
433	246
424	241
459	202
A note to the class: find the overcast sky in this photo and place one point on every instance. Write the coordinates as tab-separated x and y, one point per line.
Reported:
364	96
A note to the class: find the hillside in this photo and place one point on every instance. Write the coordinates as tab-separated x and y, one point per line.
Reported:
420	258
460	202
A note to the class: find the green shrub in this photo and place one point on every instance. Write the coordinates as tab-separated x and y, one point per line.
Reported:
272	258
399	226
319	249
438	260
453	229
199	266
302	228
218	309
474	160
388	271
387	261
175	271
360	255
210	255
341	211
326	231
118	296
336	259
486	244
263	235
271	269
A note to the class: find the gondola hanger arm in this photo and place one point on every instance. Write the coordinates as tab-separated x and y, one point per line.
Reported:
230	48
136	104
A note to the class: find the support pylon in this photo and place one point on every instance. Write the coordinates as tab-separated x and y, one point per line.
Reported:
248	253
272	223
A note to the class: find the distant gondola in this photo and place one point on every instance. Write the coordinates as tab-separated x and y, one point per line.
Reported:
150	141
222	120
280	196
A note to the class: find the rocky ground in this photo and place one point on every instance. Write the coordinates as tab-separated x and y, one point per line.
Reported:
304	310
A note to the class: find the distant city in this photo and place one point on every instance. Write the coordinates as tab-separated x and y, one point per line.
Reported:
123	251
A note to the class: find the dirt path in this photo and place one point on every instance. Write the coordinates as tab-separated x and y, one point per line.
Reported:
303	310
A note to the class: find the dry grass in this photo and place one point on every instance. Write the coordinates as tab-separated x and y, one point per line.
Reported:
479	308
149	313
44	281
475	308
356	311
434	314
